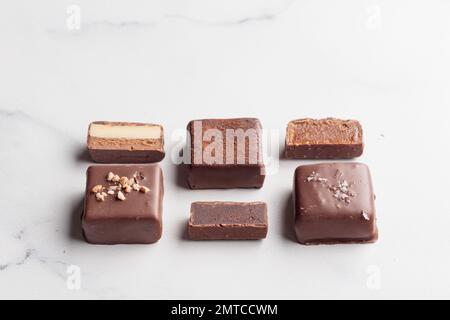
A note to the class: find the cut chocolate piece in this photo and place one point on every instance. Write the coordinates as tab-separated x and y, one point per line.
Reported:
125	142
324	139
123	204
225	153
228	221
334	203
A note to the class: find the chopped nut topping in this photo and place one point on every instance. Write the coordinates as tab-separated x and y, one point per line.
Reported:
138	176
100	196
120	196
120	186
98	188
110	176
123	181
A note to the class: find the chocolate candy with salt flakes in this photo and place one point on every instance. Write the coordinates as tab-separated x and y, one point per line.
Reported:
228	221
334	203
125	142
324	139
225	153
123	204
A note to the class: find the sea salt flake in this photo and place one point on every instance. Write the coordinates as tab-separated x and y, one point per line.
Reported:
365	215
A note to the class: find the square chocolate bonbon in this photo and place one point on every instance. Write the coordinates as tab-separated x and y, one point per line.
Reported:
328	138
228	221
123	204
334	203
125	142
225	153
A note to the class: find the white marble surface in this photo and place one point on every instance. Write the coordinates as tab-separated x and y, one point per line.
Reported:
383	62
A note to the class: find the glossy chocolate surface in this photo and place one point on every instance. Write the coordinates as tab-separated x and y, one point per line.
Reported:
235	162
334	203
228	221
137	219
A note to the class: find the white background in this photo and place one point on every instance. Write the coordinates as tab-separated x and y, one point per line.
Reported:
385	63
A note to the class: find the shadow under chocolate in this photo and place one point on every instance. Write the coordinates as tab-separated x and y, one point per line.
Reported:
75	229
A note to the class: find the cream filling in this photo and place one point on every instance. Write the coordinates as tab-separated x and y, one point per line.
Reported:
111	131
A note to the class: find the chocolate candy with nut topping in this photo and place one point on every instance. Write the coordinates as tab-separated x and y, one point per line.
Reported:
334	203
225	153
228	221
123	204
125	142
324	139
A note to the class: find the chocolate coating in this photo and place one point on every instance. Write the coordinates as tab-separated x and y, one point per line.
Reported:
241	166
136	220
125	156
334	203
225	177
228	221
324	139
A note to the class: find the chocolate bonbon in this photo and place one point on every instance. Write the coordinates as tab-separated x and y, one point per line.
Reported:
125	142
225	153
228	221
334	203
123	204
324	139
